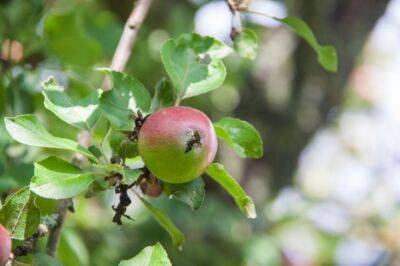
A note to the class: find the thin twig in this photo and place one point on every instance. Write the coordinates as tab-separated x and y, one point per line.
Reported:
128	37
55	232
29	245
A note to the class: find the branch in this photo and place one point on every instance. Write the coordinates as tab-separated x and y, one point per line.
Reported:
29	245
128	37
54	235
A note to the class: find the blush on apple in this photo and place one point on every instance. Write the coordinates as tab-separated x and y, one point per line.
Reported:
5	246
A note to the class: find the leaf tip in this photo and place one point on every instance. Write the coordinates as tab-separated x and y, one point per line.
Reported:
250	210
328	58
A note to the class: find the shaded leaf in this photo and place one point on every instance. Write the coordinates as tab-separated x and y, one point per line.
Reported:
42	259
72	250
149	256
69	42
27	129
19	215
130	175
327	55
217	172
164	95
246	44
57	179
122	145
165	221
241	136
125	97
194	64
191	193
97	187
95	151
82	114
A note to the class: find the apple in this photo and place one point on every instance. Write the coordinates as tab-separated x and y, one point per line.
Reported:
177	144
5	246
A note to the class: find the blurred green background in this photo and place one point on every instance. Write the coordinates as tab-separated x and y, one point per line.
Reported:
328	188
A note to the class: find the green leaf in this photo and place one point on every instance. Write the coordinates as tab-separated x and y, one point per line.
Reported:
57	179
95	151
164	95
82	114
27	130
149	256
122	145
241	136
165	221
191	193
217	172
130	175
42	259
67	39
72	249
97	187
126	96
19	215
327	55
246	44
194	64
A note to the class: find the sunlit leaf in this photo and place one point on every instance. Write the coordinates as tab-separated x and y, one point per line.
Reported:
82	114
57	179
241	136
149	256
165	221
194	64
67	39
327	55
125	97
27	130
191	193
246	44
19	215
217	172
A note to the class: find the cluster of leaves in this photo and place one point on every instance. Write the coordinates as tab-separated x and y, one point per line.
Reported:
194	66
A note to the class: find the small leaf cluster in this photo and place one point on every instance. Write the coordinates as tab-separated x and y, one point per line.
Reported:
194	66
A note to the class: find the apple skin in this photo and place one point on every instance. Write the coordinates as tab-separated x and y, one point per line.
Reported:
163	144
5	246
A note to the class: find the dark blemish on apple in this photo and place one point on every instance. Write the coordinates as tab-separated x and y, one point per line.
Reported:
195	140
